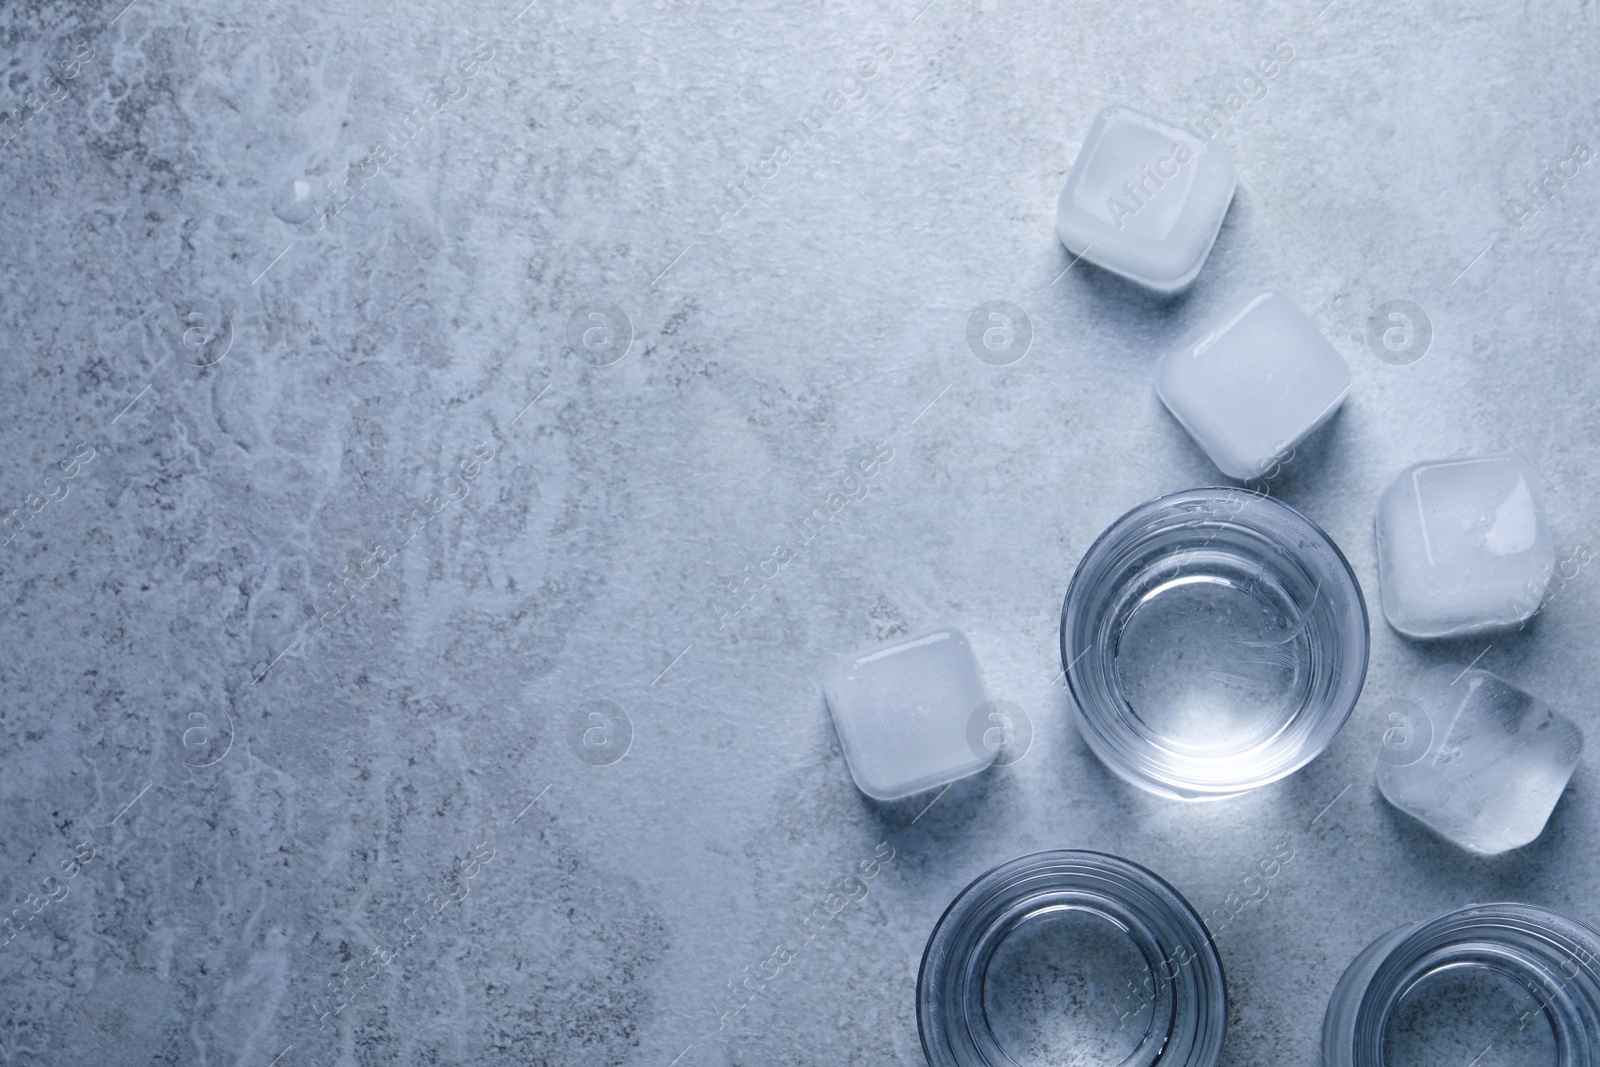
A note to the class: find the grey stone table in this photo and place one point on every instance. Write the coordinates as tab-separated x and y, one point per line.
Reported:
435	443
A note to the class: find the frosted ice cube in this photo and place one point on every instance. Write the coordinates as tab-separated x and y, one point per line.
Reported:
1462	546
902	711
1252	383
1145	199
1494	765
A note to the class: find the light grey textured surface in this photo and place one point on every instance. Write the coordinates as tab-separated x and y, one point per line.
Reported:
268	797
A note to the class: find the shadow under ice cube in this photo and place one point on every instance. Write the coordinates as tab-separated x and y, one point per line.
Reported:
1494	767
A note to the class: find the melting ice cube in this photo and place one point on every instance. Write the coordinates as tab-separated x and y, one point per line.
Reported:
904	711
1462	546
1253	382
1493	766
1145	199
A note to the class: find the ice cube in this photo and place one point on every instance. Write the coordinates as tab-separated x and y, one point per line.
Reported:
903	710
1494	765
1145	199
1462	546
1252	383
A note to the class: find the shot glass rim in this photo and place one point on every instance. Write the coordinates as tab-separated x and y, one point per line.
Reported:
1531	939
1164	779
986	900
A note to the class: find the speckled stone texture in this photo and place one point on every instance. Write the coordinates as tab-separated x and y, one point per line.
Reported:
389	673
